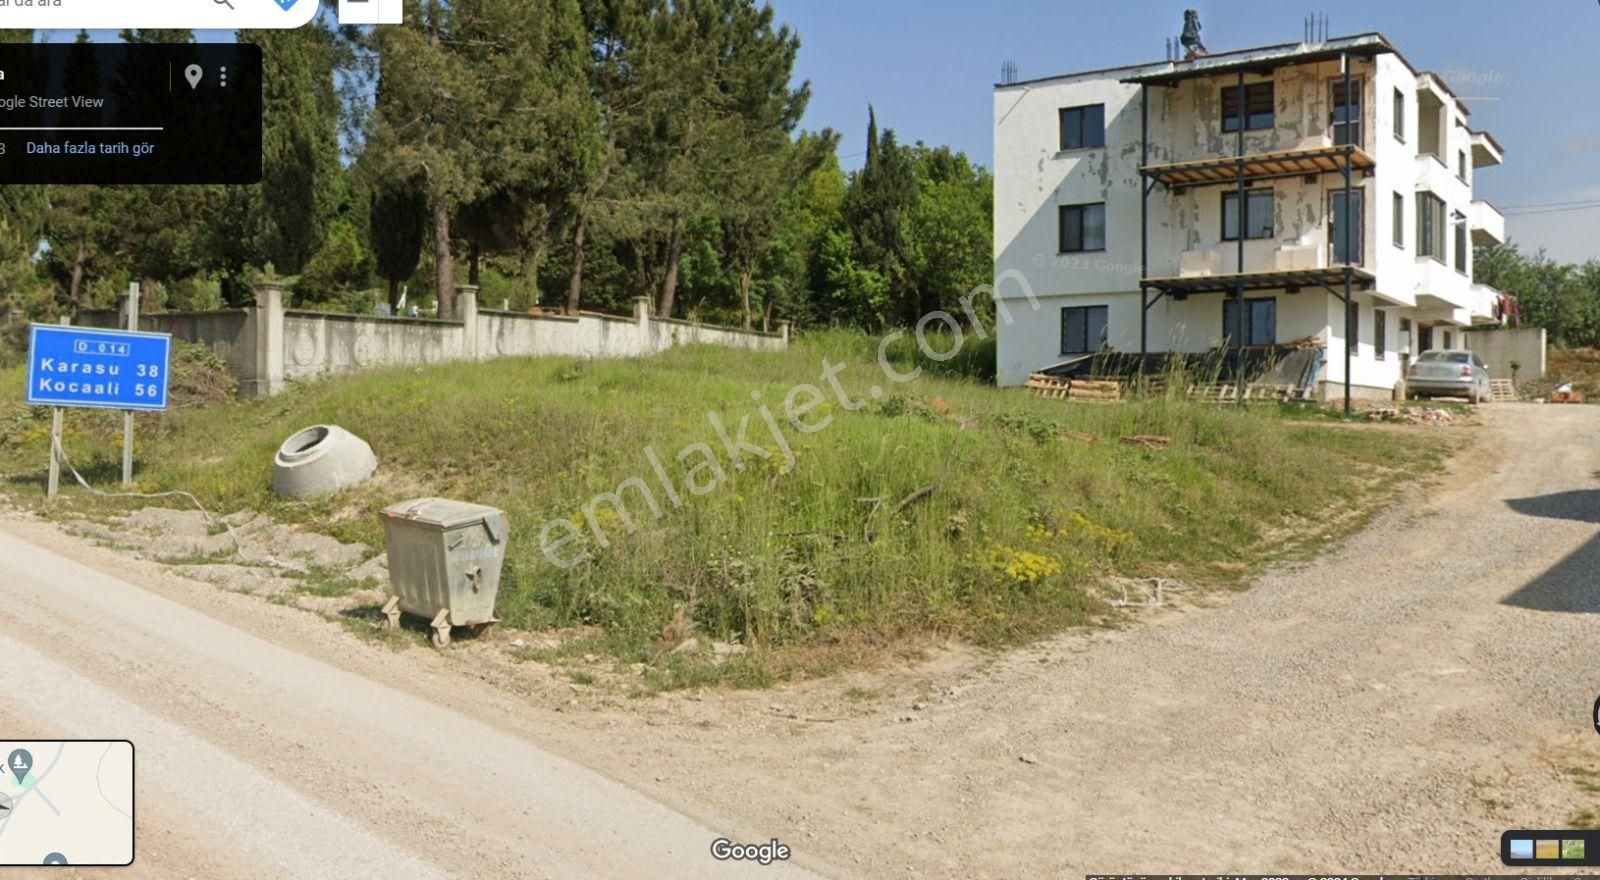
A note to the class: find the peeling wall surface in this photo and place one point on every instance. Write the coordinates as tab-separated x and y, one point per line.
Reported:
267	347
1034	178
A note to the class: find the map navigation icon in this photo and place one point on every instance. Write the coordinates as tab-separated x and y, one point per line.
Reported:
5	805
55	859
19	763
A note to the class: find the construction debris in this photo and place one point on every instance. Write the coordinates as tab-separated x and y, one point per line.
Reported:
1414	415
1078	436
1148	441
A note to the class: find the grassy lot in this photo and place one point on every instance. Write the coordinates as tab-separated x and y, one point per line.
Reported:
838	552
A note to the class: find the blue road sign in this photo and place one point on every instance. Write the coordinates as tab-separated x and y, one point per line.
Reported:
108	369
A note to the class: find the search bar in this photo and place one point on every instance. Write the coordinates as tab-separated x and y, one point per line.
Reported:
192	14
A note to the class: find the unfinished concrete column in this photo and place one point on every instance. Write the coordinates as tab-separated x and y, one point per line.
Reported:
783	332
467	306
268	319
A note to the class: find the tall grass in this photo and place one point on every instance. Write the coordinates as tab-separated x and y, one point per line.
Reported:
943	506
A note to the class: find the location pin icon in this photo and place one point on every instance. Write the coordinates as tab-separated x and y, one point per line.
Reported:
19	763
194	73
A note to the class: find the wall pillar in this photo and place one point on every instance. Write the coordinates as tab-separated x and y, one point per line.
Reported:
783	332
641	313
268	319
467	306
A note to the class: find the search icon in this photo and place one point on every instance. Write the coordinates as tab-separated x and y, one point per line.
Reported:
227	3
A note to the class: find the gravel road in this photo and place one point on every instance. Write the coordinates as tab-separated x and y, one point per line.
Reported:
1389	707
255	760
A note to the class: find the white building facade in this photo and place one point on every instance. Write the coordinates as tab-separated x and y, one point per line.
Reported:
1124	199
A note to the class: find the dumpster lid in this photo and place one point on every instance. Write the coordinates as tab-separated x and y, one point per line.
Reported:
442	513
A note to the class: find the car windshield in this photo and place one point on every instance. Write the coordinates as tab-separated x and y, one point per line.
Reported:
1453	357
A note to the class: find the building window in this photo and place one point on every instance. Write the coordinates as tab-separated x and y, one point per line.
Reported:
1355	328
1083	329
1346	121
1461	165
1258	221
1258	111
1449	340
1430	226
1260	321
1399	220
1461	244
1400	115
1083	127
1336	212
1380	333
1083	227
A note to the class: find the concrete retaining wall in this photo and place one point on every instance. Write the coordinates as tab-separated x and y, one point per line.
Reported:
268	346
1498	348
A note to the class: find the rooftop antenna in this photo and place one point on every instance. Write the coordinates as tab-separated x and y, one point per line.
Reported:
1008	72
1316	28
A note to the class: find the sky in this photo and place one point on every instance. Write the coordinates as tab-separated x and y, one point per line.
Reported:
1527	70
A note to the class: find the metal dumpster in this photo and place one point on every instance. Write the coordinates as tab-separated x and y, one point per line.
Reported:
444	563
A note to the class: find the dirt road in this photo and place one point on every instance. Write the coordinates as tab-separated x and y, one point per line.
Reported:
257	761
1390	707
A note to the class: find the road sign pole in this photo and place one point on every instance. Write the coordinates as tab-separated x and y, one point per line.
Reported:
53	482
127	416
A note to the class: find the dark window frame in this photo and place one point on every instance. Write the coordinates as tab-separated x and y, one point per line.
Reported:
1090	136
1088	314
1249	329
1459	231
1400	116
1337	104
1257	96
1431	219
1461	165
1380	333
1251	195
1358	241
1083	241
1399	220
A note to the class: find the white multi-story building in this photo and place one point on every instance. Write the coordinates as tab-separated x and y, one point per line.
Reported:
1117	220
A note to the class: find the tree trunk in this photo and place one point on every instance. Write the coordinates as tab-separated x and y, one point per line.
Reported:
669	285
766	314
394	296
532	258
444	267
744	294
475	265
147	297
575	286
75	284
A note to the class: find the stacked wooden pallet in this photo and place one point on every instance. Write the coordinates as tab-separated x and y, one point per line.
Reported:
1081	390
1505	390
1255	392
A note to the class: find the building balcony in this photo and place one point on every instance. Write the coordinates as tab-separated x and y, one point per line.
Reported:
1488	224
1322	158
1486	150
1485	308
1440	287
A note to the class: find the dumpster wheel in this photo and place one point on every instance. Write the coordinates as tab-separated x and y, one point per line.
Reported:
391	612
441	630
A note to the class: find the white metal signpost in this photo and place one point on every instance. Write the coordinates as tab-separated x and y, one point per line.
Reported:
102	369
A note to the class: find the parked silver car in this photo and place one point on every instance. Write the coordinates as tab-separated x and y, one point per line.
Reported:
1449	373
